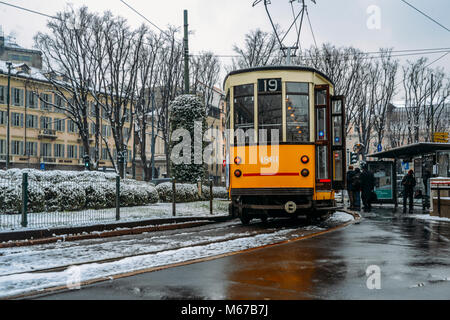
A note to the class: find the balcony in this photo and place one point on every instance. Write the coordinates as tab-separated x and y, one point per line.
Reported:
47	134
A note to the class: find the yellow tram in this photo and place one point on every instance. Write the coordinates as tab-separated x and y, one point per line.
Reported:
285	144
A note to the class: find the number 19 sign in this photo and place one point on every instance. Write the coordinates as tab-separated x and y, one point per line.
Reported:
269	85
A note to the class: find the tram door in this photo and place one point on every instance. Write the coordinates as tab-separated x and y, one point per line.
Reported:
329	139
338	155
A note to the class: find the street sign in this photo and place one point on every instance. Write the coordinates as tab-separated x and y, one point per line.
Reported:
379	147
42	166
440	137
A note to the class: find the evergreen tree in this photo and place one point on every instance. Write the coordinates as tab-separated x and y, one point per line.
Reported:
185	111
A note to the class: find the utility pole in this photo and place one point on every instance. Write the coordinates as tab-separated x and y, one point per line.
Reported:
186	54
153	136
8	125
432	110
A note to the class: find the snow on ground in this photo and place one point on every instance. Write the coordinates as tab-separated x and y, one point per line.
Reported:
428	217
341	217
158	250
89	217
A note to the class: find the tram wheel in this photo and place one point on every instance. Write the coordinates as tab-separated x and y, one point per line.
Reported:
245	219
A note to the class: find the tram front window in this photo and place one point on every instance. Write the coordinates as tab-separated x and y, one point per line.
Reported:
244	110
269	110
297	112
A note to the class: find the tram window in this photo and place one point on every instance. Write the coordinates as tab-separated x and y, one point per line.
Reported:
297	87
337	130
243	90
322	162
243	107
337	165
321	97
269	117
321	124
337	106
297	112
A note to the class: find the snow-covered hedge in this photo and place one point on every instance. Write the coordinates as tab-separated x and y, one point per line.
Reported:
188	192
70	191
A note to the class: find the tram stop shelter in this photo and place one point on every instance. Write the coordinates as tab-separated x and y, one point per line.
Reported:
430	162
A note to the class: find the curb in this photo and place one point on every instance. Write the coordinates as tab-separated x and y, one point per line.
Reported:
43	236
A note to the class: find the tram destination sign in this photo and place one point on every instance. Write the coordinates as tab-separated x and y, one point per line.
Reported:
269	85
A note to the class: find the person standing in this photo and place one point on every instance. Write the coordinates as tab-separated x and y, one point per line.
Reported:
351	195
408	182
367	185
356	187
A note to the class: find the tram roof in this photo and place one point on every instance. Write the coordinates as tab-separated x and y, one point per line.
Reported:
412	150
276	68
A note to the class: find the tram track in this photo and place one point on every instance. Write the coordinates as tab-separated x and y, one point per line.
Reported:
299	232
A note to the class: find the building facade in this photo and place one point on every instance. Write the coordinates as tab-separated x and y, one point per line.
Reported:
42	136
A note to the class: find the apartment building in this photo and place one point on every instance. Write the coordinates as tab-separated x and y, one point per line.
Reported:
41	135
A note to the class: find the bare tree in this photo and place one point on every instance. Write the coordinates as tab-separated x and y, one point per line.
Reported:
70	66
118	72
205	71
383	91
147	82
170	84
260	49
344	66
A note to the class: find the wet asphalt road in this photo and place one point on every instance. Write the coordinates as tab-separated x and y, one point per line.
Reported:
412	256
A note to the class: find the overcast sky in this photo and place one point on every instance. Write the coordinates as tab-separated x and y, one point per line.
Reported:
218	24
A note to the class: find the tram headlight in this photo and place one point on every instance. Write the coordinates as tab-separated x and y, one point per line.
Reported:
304	159
237	160
238	173
305	172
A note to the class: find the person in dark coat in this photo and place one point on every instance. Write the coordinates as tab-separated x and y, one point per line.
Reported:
356	187
408	183
367	185
351	195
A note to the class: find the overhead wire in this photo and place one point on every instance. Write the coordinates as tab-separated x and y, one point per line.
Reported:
424	14
408	52
30	10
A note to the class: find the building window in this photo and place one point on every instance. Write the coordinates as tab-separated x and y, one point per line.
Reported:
31	148
105	155
3	91
106	130
16	119
2	117
60	125
46	122
92	128
59	102
17	148
46	99
59	150
32	121
2	146
46	149
17	97
71	127
72	152
32	100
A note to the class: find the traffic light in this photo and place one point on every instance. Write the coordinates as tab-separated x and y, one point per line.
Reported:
353	157
86	161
